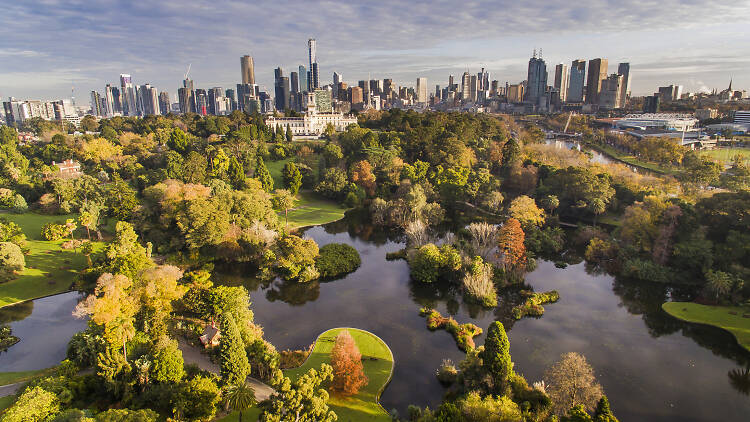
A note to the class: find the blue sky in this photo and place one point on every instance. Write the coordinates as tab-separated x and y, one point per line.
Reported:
48	46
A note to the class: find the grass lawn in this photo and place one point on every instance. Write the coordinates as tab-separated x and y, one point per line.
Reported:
726	155
276	168
363	406
49	269
718	316
632	160
6	401
311	210
14	377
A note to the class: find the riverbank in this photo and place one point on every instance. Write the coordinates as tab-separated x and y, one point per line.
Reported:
735	319
631	159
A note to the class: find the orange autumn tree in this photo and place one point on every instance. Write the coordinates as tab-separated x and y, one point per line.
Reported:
362	175
348	372
510	243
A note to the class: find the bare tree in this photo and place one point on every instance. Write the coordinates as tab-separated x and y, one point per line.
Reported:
570	382
483	239
416	231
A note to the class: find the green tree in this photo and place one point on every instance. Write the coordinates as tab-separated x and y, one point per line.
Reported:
35	404
289	135
127	415
236	172
197	399
121	199
603	413
292	178
524	210
496	358
302	400
168	366
194	167
332	183
283	200
235	367
263	175
178	140
240	397
11	260
576	414
332	154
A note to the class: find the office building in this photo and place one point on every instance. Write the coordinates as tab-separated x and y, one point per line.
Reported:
186	97
388	88
314	80
215	100
515	93
670	93
597	73
422	90
127	93
337	79
96	104
561	81
466	86
303	79
624	70
355	95
148	98
609	97
294	82
281	90
109	100
201	102
651	104
165	106
247	67
577	80
536	84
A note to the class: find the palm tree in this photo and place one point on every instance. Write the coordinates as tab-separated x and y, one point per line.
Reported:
240	397
740	380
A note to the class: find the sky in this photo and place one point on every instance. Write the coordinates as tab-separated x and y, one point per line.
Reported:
50	46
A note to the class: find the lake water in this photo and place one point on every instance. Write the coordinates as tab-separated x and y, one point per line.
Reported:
652	366
44	326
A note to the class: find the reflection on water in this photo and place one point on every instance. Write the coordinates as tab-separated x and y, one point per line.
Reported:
652	366
44	326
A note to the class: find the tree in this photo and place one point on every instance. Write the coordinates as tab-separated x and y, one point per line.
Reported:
235	367
168	366
289	135
236	172
283	200
571	382
178	140
496	358
346	360
475	408
302	400
11	260
719	283
362	175
89	217
511	244
35	404
197	399
597	206
292	178
603	413
239	397
121	199
576	414
511	155
127	415
550	203
263	175
332	154
524	210
294	256
332	184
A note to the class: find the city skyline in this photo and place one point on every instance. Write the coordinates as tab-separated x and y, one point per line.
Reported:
33	66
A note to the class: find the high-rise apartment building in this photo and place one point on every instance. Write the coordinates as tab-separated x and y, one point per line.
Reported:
536	85
561	81
577	80
303	78
355	95
127	93
474	87
109	100
388	88
215	99
597	73
186	96
247	67
96	104
312	50
670	93
201	102
422	90
465	86
609	97
624	70
148	98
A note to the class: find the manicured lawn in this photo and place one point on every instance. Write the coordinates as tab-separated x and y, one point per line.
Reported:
250	415
14	377
6	401
632	160
276	168
718	316
49	269
726	155
311	210
364	405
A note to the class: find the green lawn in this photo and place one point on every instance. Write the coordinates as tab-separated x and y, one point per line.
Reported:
311	210
718	316
276	168
632	160
726	155
6	401
363	406
14	377
49	269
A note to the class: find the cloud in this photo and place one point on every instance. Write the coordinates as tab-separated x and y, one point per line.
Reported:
155	41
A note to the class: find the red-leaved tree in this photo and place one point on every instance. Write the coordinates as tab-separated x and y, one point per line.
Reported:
348	372
511	246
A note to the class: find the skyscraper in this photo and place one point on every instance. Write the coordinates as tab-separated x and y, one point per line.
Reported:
201	101
96	104
164	104
422	90
624	70
388	88
109	100
561	81
127	92
597	73
215	97
536	81
337	79
247	67
465	86
314	80
577	78
609	96
281	90
474	87
303	78
294	80
148	98
186	96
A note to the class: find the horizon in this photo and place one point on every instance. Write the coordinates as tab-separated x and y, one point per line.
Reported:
154	47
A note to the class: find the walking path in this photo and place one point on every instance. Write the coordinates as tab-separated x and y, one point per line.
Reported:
192	354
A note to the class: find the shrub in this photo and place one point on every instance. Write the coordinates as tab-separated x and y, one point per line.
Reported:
430	262
293	358
463	333
19	205
447	373
54	231
478	283
337	259
11	260
533	304
294	255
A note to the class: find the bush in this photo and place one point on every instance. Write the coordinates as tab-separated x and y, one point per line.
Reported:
19	205
294	255
430	263
337	259
478	283
463	333
54	231
11	260
447	373
533	304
